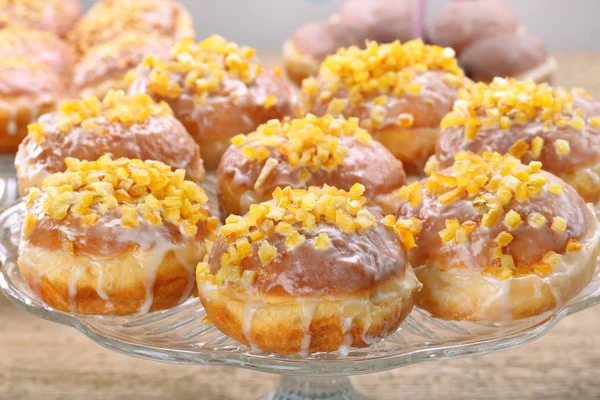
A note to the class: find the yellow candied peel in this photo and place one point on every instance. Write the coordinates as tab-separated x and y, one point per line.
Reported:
143	191
505	102
310	143
116	107
291	213
201	68
491	182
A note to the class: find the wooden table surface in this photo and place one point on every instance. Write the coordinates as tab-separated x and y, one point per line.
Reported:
44	360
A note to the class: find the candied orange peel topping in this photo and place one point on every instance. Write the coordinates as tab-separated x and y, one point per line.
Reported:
310	142
381	68
291	213
491	182
203	66
116	107
143	191
505	102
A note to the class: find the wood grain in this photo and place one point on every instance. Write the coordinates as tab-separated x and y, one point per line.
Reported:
43	360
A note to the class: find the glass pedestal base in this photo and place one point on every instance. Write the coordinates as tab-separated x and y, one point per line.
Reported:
314	388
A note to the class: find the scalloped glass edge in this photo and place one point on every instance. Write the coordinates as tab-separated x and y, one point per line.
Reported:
314	365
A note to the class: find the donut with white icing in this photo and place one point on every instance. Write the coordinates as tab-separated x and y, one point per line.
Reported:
399	92
559	127
500	240
105	66
114	237
305	152
309	271
108	19
54	16
217	90
118	125
358	20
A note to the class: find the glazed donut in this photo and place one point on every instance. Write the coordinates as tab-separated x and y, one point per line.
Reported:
56	16
307	152
104	66
217	90
462	23
114	237
531	121
309	271
119	125
400	93
500	240
107	19
379	20
28	89
38	46
507	55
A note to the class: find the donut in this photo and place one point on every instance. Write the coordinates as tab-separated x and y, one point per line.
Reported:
500	240
309	271
119	125
38	46
55	16
105	66
506	55
559	127
462	23
217	89
400	93
28	88
379	20
306	152
107	19
114	237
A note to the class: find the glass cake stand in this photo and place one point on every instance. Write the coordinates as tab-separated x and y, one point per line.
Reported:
181	335
9	190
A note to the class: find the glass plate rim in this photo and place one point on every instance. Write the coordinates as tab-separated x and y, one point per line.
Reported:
266	362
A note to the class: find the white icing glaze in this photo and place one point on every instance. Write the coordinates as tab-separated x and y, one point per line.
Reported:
11	126
308	308
74	276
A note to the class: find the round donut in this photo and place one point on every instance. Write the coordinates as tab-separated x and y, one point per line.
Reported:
400	93
559	127
28	89
506	55
56	16
309	271
500	240
105	66
119	125
462	23
38	46
217	90
108	19
114	237
306	152
380	20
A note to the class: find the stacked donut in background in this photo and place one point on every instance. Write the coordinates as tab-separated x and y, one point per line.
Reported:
326	243
486	35
51	53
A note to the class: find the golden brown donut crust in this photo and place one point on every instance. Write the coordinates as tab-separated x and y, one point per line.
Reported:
303	286
107	19
56	16
462	23
466	280
160	138
505	55
90	245
105	65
